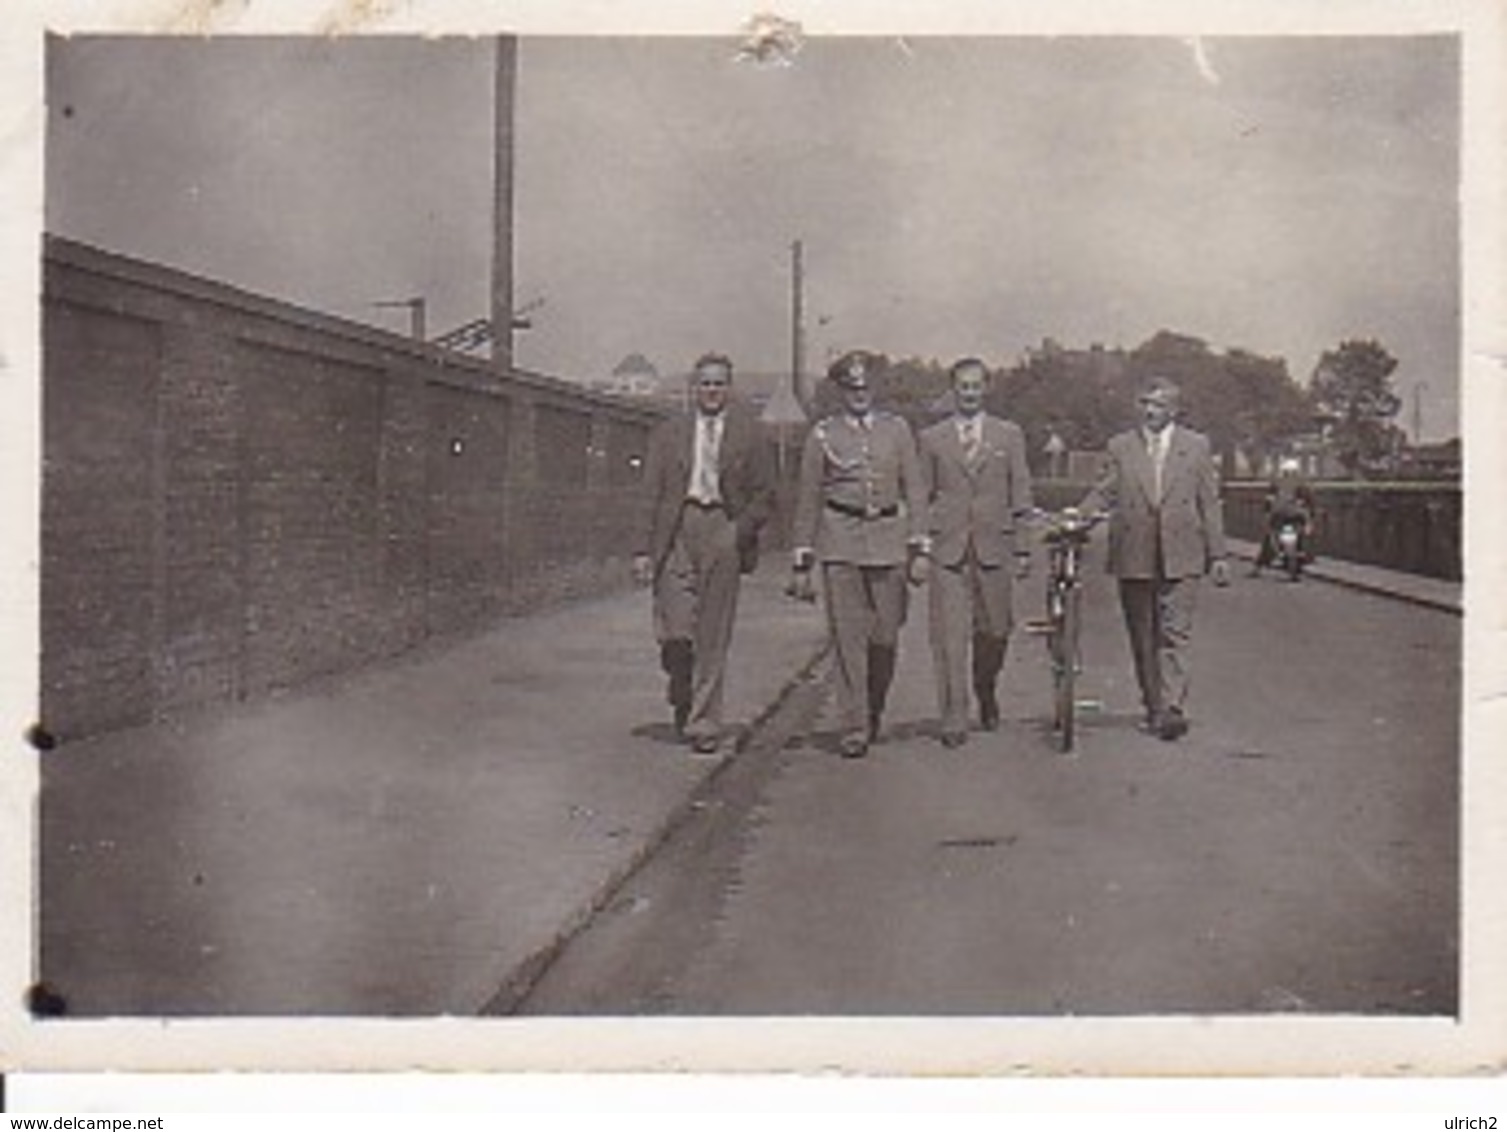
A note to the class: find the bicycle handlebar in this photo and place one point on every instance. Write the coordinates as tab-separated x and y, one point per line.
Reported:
1069	523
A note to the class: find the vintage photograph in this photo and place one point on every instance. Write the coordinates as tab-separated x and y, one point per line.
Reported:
760	526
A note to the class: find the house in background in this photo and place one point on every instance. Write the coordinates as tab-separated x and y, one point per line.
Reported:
634	376
1441	461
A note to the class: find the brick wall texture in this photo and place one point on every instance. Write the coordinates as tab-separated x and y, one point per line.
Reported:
240	496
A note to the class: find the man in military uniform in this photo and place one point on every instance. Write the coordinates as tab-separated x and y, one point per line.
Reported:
978	486
861	514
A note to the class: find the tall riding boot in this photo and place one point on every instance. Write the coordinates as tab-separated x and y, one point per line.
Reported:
988	659
881	675
677	658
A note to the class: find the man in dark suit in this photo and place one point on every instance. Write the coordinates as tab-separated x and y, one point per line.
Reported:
1166	531
710	482
861	513
974	465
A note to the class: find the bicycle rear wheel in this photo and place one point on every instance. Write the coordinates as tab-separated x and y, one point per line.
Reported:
1065	671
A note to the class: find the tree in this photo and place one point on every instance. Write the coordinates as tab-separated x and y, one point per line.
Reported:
916	390
1243	401
1078	395
1270	408
1352	387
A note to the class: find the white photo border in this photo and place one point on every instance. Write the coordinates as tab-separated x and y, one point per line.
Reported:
1285	1045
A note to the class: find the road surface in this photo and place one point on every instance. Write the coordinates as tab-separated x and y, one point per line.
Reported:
1297	852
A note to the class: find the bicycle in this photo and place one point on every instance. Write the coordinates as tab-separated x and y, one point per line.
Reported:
1066	535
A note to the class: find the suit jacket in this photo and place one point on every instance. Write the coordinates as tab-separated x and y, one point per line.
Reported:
873	471
975	504
746	481
1185	524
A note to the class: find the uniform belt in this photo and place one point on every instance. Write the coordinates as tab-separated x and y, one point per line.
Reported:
870	512
691	501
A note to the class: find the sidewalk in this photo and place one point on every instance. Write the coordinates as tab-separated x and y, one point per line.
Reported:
403	841
1435	593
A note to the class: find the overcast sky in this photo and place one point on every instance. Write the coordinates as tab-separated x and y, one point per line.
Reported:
954	195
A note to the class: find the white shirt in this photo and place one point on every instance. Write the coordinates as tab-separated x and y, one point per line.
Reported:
704	486
1157	446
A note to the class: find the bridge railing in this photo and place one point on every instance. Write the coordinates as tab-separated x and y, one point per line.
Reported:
1410	527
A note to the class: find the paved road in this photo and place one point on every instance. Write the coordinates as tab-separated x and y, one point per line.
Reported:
1297	852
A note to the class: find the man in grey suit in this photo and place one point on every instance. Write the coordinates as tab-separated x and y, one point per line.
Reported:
710	482
861	513
978	486
1166	531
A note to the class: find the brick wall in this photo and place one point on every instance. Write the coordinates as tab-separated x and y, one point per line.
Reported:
240	495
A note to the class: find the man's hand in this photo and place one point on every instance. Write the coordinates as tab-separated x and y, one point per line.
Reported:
643	569
1022	566
1220	572
918	569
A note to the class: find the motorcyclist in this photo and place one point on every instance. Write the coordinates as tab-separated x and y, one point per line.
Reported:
1289	499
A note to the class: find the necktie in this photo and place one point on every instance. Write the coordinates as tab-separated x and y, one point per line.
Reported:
972	440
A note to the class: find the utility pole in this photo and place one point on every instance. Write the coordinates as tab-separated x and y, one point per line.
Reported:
797	323
502	201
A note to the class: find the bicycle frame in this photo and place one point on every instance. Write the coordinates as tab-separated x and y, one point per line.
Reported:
1065	538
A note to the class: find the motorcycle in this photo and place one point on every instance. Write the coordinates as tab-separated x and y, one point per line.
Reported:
1287	540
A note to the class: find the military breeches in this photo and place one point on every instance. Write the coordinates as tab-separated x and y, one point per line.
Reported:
865	607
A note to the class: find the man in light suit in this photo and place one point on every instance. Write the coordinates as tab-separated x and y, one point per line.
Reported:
861	513
978	486
710	482
1166	531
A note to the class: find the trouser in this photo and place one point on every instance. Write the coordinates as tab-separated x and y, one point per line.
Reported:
970	605
1159	618
695	600
865	610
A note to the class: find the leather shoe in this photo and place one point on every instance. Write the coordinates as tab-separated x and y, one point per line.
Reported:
1173	726
704	744
682	717
854	746
954	739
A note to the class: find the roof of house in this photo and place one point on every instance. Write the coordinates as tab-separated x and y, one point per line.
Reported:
634	363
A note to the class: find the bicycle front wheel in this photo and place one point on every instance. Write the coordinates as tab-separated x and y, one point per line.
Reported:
1065	671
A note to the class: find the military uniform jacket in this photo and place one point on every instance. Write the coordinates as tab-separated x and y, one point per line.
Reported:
1184	527
861	496
975	503
746	481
